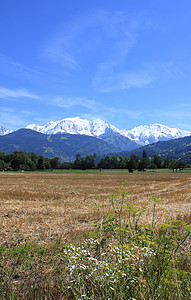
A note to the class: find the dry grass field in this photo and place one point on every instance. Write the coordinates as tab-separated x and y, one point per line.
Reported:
43	206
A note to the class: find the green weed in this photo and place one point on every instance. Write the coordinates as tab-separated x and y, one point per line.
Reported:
130	260
123	259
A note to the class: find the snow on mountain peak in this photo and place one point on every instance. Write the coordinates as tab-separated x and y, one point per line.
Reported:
147	134
4	131
142	135
120	140
75	125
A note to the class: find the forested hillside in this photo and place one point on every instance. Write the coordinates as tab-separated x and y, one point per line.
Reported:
64	146
177	149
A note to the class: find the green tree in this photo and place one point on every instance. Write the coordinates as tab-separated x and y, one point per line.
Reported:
55	163
136	160
32	166
2	155
176	165
114	162
153	166
143	164
41	163
123	162
47	163
180	165
15	164
34	157
78	162
105	163
66	165
144	154
166	162
131	164
156	160
2	164
89	162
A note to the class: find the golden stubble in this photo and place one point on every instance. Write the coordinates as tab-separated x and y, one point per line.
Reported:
43	206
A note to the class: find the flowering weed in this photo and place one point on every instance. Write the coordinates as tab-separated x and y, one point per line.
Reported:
129	260
124	258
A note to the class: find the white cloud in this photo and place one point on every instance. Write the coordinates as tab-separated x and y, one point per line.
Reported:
82	37
19	93
62	58
58	101
14	119
109	113
39	75
171	70
7	63
69	102
112	115
107	80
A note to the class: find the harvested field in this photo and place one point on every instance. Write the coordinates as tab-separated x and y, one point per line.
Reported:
43	206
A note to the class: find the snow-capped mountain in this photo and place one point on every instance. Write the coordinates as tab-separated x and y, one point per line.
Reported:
4	131
148	134
121	140
141	135
76	125
96	128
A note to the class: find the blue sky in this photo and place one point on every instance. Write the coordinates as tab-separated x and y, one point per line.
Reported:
127	62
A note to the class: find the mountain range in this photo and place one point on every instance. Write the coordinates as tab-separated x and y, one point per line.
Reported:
67	137
65	146
140	135
137	136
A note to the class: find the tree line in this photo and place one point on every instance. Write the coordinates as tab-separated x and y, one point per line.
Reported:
132	163
19	160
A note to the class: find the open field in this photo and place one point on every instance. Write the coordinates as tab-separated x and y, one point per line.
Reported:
43	206
45	251
116	171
